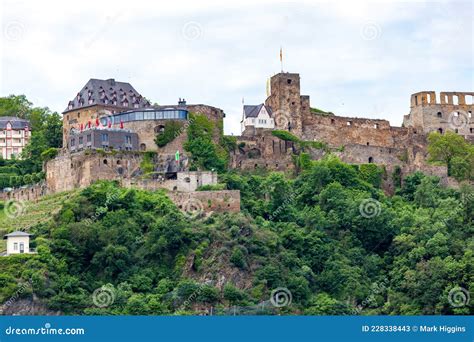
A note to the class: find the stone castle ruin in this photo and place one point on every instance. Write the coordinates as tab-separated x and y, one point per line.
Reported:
354	140
109	128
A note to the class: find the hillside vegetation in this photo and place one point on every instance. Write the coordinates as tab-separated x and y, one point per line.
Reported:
330	237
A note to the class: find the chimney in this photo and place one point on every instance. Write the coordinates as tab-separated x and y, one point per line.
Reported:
182	102
111	81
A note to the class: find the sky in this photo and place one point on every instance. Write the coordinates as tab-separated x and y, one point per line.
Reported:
355	58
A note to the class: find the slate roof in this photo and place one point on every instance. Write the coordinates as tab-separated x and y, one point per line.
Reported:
17	233
251	111
16	123
107	92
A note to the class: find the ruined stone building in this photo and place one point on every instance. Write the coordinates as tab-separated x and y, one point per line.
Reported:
354	140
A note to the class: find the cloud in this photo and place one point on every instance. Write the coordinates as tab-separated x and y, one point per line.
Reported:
355	58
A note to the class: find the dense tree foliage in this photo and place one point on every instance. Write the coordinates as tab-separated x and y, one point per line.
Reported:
205	154
330	236
455	152
46	135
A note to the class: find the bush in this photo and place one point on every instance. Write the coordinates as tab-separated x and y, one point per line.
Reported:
238	257
49	154
172	130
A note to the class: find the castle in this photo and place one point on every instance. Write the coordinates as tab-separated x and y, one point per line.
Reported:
108	125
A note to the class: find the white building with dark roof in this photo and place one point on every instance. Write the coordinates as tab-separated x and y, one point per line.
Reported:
18	242
14	136
258	116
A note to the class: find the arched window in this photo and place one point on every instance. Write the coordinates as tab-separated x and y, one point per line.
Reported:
142	147
440	115
440	130
371	159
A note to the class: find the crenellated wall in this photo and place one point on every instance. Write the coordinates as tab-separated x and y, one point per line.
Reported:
452	111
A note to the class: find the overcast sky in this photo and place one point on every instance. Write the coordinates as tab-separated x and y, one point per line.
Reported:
355	58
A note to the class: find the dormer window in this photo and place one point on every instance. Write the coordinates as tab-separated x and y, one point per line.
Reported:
91	101
135	105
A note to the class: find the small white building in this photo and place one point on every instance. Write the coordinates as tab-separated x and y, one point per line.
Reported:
259	116
18	243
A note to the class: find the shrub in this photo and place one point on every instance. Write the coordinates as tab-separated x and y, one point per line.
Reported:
172	130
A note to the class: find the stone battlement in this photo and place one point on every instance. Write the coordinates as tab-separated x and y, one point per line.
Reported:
426	98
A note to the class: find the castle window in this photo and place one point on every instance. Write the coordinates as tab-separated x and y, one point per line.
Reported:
293	103
440	115
471	130
89	138
142	147
367	143
440	130
456	130
118	162
159	129
376	126
81	140
105	161
333	121
349	123
104	137
469	114
187	180
73	142
371	160
288	81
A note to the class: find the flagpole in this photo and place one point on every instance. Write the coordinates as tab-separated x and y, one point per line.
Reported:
281	58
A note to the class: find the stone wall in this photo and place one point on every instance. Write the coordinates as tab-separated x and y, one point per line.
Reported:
207	201
27	193
451	112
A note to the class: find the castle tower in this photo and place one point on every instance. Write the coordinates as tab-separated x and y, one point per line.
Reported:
286	102
452	112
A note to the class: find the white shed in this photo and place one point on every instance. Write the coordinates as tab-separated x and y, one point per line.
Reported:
18	242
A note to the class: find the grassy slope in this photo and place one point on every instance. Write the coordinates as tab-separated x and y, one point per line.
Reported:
32	213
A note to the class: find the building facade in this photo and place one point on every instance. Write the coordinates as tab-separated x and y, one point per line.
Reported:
18	243
451	111
259	116
105	138
14	136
